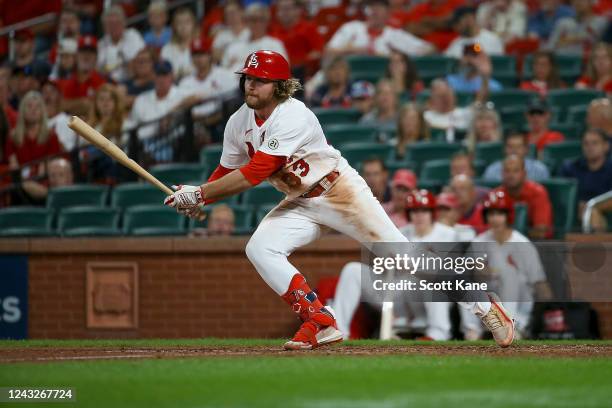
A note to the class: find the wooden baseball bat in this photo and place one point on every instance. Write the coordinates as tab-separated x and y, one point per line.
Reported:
111	149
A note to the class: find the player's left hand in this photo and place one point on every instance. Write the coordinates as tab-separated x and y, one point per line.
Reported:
185	197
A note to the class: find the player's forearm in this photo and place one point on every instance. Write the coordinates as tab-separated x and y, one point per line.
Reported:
230	184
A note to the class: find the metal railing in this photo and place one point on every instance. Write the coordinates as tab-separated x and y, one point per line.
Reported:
590	206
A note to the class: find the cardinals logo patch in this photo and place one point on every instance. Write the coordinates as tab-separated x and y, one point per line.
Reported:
253	62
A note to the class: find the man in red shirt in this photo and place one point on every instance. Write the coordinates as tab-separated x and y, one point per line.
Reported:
300	37
538	117
78	89
469	206
534	195
430	21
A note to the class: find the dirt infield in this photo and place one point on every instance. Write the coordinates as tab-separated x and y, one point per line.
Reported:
55	354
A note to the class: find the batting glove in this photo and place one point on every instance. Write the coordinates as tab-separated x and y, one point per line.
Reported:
185	197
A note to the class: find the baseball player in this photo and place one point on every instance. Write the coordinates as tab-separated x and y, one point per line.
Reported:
275	137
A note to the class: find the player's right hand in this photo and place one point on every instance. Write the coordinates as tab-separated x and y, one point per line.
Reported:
197	213
185	197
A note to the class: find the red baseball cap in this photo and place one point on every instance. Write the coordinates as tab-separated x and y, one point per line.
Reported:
88	42
200	45
405	178
447	200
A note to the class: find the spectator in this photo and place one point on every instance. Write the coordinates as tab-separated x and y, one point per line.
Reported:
593	171
411	128
462	163
447	213
404	181
78	89
442	112
486	127
221	223
516	144
69	25
577	34
8	117
234	30
24	48
59	174
335	91
430	20
257	17
545	74
469	206
65	64
475	71
299	36
464	22
118	46
159	33
599	115
534	195
178	49
506	18
58	119
376	176
374	36
542	23
398	11
25	80
362	96
538	117
31	139
403	74
385	113
599	70
208	81
142	76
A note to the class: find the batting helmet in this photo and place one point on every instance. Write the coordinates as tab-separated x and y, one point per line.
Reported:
267	65
420	200
499	200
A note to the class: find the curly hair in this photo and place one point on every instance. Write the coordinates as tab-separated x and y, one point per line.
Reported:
286	89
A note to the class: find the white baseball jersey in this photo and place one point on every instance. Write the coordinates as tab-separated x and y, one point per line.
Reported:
218	81
439	233
292	131
180	58
112	57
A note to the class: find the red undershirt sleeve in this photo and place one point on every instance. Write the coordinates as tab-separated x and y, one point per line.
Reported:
262	166
219	172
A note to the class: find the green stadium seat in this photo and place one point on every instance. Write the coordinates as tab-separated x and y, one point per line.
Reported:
210	156
339	134
463	98
520	218
511	98
394	165
555	154
564	99
479	167
570	67
436	171
26	221
333	116
503	64
431	67
88	221
355	153
486	183
129	194
513	117
571	131
507	80
179	173
422	152
153	220
369	76
262	194
373	64
489	152
562	194
76	195
243	219
431	185
577	115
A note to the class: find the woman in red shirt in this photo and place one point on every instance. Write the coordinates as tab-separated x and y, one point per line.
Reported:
31	139
545	74
599	71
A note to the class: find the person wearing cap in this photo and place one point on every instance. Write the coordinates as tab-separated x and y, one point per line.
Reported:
470	32
474	72
24	48
65	63
118	46
374	35
81	86
404	181
515	143
538	118
159	33
447	213
178	50
208	81
385	112
257	17
362	96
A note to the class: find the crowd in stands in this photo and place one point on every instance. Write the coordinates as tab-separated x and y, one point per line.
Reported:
416	71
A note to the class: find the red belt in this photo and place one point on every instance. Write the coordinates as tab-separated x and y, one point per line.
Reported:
323	185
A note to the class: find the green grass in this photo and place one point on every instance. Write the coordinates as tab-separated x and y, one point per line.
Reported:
318	381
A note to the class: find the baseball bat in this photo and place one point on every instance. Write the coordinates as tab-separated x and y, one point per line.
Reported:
111	149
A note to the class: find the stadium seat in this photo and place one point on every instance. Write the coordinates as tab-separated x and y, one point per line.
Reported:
564	99
76	195
210	156
503	64
463	98
577	114
570	67
262	194
430	67
368	64
179	173
421	152
88	221
333	116
339	134
511	98
394	165
25	221
243	219
555	154
489	152
486	183
513	117
433	186
435	171
571	131
129	194
372	77
507	80
520	218
562	193
355	153
153	220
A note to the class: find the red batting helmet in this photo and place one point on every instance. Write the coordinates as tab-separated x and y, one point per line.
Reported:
499	200
266	64
420	199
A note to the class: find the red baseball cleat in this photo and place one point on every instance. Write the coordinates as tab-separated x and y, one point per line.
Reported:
320	330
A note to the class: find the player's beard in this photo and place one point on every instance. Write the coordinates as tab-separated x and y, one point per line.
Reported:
257	102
